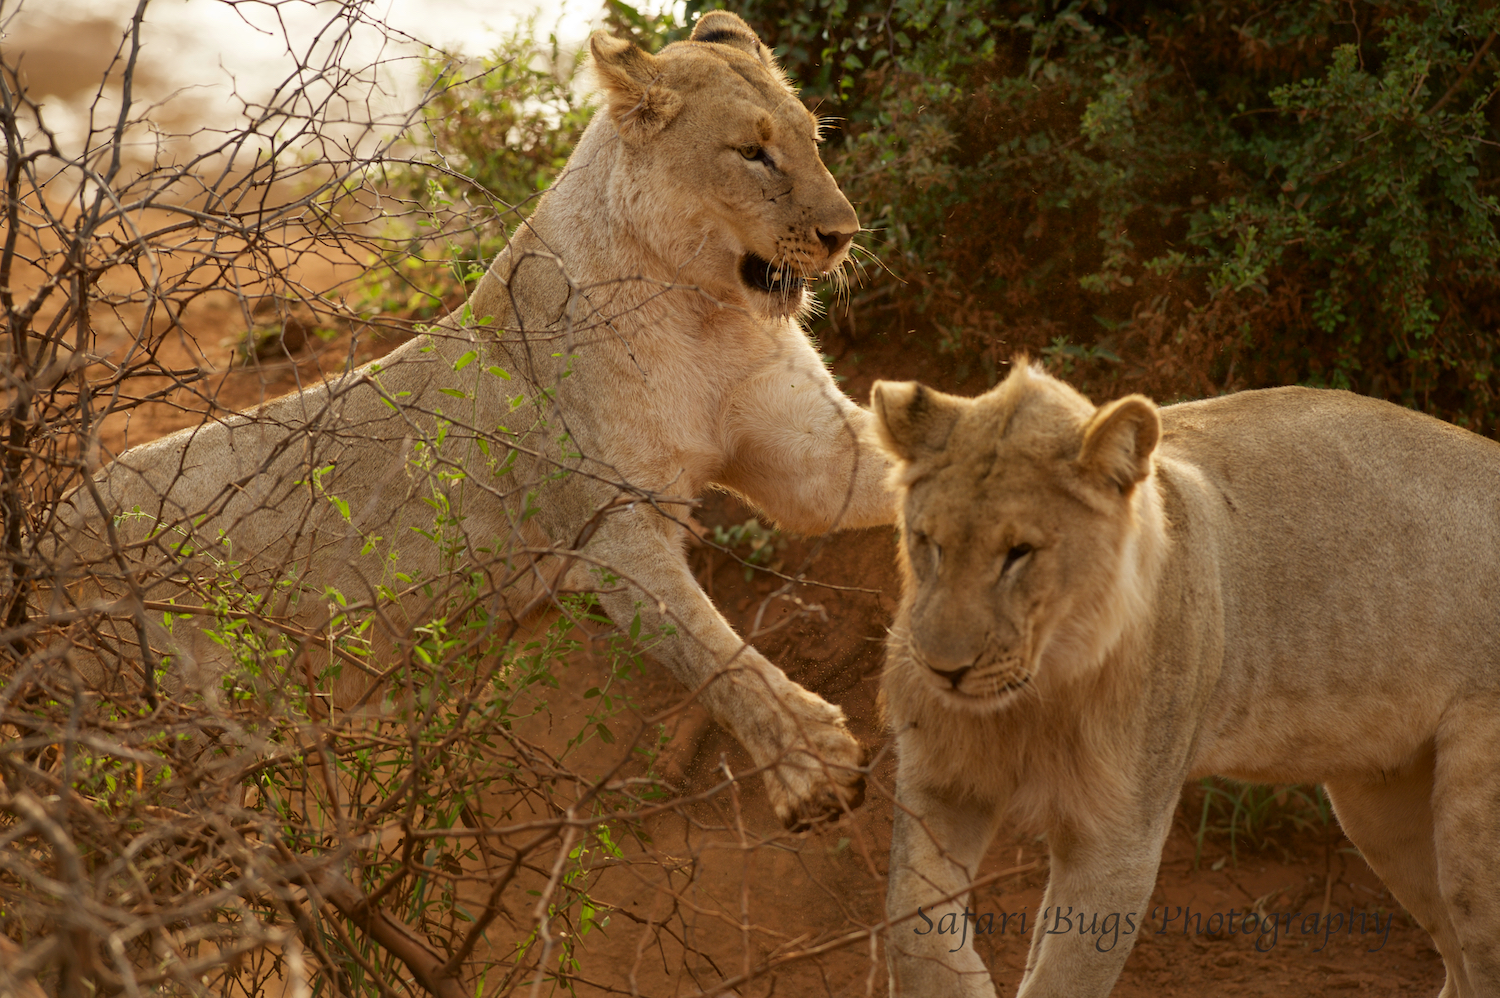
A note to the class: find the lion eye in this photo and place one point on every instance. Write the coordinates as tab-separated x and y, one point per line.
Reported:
1014	555
751	151
921	540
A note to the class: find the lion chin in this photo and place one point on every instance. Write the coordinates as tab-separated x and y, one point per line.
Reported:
779	291
982	698
986	696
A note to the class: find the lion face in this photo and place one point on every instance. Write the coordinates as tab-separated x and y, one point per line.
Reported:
1022	515
718	166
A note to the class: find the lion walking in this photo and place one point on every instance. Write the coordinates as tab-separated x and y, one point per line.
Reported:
1278	586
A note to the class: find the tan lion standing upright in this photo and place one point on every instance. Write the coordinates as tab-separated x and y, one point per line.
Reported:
1279	586
636	342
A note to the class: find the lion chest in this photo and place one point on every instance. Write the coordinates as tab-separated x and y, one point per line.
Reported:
656	427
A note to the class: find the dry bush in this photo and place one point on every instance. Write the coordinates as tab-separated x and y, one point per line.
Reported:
451	826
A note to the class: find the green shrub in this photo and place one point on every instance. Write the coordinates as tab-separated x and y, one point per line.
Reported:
493	136
1220	194
1183	200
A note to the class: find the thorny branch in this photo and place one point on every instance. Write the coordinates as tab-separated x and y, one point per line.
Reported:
481	809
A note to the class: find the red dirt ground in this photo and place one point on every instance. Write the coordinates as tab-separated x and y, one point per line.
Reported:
831	880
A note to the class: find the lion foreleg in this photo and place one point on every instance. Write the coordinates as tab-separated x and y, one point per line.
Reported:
810	759
1096	904
798	449
937	842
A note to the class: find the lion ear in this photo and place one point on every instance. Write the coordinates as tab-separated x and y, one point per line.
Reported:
1118	442
912	421
640	104
720	27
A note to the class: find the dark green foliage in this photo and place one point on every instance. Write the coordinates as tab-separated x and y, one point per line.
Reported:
649	31
1181	199
1219	194
1256	814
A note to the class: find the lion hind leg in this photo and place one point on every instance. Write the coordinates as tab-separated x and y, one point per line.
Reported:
1390	819
1466	818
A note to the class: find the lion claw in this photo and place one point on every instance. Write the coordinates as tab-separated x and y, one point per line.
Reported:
817	787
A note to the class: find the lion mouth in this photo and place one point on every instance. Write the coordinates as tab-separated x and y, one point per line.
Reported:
764	276
989	694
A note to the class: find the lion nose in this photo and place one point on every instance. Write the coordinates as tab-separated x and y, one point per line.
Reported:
954	677
834	241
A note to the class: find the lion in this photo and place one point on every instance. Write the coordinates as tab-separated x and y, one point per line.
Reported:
1100	603
637	342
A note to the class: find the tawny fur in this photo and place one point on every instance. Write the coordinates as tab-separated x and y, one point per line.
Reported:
642	362
1279	586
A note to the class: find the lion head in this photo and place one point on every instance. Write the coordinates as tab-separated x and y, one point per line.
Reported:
1029	532
715	178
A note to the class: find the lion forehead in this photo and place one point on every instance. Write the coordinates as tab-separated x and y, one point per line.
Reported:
990	493
720	78
702	67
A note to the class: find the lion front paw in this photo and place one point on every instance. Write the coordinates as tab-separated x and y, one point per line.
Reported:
820	775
